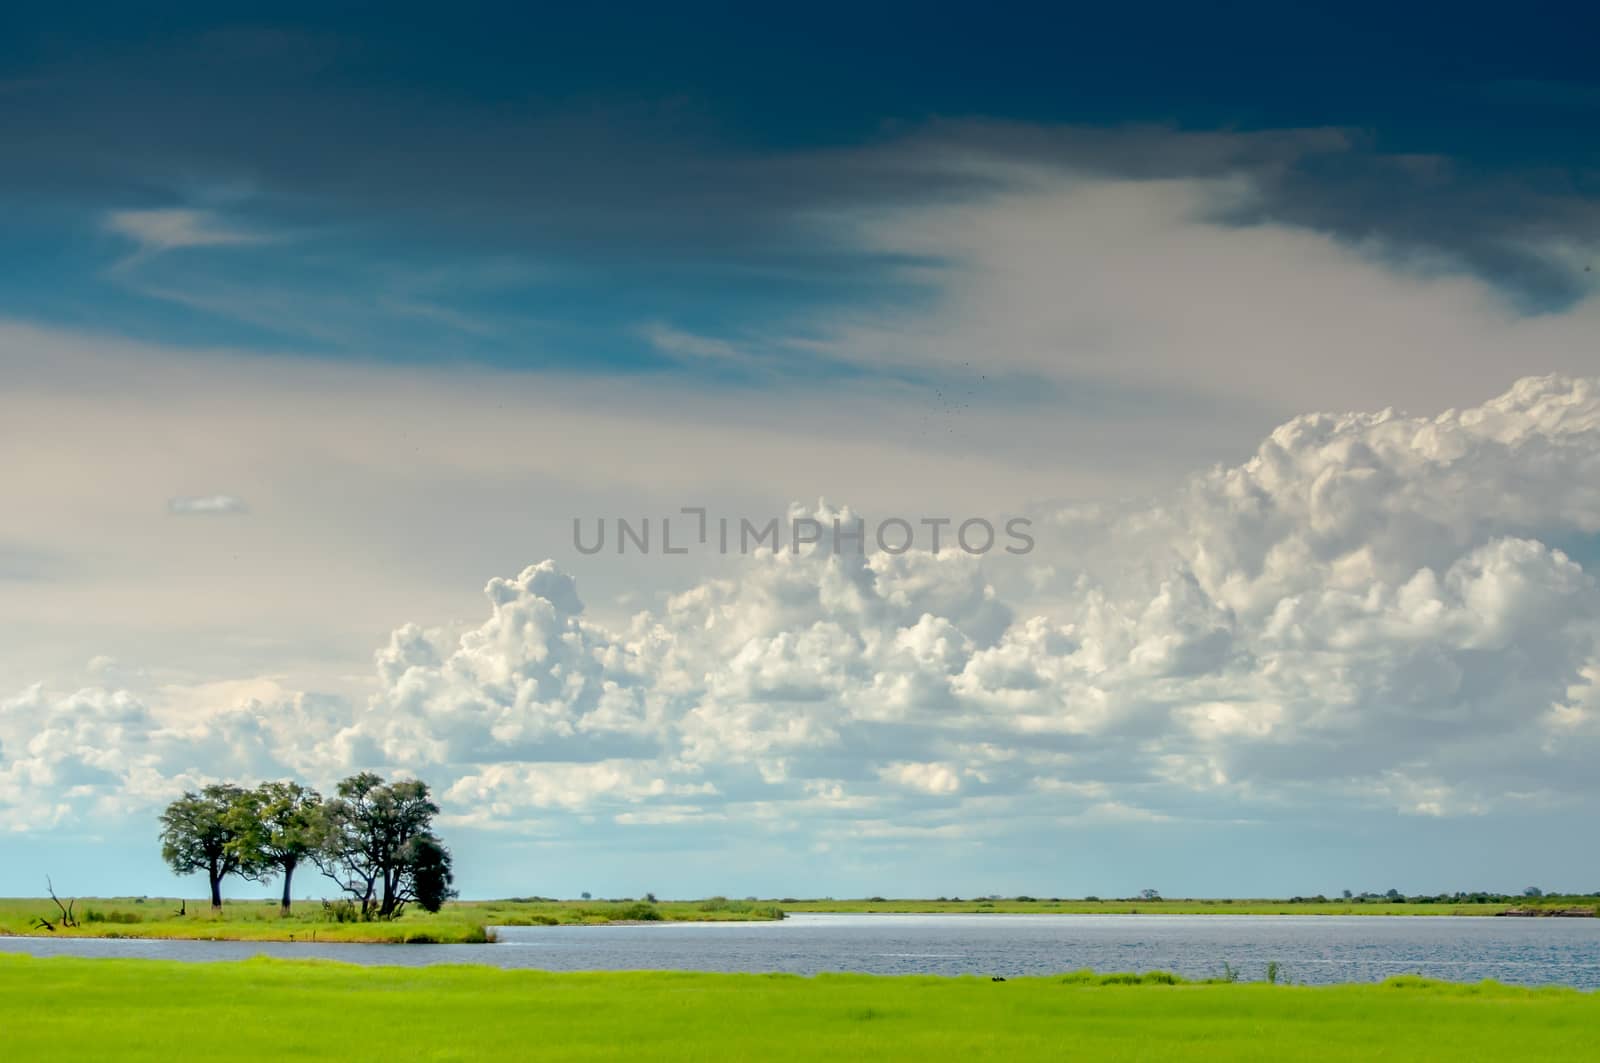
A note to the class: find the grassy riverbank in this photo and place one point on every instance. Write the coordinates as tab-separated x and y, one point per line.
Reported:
1232	906
460	922
468	922
147	1010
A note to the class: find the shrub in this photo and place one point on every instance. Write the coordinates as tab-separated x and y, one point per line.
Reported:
1087	977
641	910
343	910
92	915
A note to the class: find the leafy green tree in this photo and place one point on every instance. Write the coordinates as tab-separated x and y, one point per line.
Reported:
380	848
200	832
279	826
431	874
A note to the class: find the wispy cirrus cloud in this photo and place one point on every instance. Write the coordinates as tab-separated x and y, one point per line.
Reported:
205	505
165	229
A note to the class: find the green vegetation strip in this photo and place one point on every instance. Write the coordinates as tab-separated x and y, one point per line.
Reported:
1570	905
74	1009
461	922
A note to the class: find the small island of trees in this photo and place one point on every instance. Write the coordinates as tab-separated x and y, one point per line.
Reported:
374	839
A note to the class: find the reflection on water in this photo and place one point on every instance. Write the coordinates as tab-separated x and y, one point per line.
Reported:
1309	949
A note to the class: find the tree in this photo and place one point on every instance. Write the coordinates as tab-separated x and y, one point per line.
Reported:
200	832
1533	891
279	826
379	845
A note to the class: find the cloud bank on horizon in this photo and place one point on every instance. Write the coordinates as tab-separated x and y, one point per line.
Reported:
1374	611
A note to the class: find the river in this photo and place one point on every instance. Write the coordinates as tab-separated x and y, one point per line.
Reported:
1307	949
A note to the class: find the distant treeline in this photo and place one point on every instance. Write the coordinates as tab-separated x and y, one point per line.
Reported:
1149	896
374	839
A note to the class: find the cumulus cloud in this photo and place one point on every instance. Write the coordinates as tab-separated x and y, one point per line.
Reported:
1391	611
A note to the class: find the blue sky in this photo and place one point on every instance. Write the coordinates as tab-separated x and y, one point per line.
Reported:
558	177
406	291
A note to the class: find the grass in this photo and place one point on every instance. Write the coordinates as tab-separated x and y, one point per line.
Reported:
147	1010
1200	906
460	922
468	922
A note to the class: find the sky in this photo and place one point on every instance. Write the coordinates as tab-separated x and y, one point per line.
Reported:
323	331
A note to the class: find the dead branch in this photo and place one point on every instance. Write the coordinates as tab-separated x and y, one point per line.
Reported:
67	918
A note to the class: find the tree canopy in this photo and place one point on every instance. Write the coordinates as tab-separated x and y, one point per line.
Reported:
279	825
380	848
201	832
374	839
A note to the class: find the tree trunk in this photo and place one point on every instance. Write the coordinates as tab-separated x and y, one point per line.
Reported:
216	888
288	876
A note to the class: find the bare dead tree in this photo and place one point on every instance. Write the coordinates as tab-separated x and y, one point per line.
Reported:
67	918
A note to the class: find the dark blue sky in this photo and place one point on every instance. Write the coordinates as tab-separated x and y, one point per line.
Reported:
649	164
1471	80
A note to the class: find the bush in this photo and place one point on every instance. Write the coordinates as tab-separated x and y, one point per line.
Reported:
342	911
642	911
124	918
530	920
1087	977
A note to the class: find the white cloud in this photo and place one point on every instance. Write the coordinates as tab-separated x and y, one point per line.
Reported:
687	345
186	505
1378	609
934	778
175	228
1366	605
1140	292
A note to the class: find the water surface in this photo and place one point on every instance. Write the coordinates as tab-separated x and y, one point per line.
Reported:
1309	949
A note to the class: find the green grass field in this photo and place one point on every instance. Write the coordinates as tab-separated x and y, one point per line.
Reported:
459	922
74	1009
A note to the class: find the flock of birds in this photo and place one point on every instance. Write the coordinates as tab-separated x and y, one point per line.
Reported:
950	401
